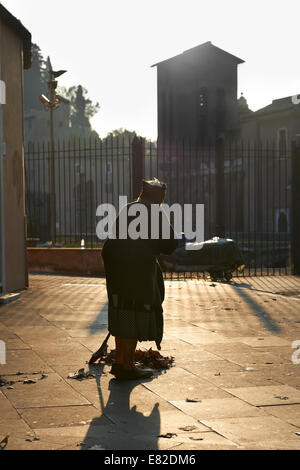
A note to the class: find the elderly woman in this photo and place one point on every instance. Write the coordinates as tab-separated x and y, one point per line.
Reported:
135	285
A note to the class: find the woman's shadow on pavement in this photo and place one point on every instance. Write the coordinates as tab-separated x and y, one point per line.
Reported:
118	426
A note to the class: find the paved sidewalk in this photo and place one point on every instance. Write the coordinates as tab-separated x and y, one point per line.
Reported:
234	385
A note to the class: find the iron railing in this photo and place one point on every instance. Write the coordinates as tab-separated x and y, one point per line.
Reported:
246	189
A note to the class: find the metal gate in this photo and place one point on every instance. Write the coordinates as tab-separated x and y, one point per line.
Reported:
248	191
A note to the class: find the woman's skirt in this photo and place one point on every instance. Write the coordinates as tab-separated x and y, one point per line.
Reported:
135	323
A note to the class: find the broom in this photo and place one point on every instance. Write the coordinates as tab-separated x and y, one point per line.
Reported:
101	351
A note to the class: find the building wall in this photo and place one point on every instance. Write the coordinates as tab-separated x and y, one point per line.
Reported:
265	128
180	84
11	53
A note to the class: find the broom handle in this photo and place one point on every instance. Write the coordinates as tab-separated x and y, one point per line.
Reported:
106	339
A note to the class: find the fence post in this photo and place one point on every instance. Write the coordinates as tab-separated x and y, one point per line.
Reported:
296	206
137	167
220	188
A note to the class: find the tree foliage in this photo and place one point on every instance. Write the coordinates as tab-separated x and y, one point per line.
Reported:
120	135
82	109
35	80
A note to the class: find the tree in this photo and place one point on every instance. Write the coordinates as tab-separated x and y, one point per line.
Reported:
82	110
120	135
35	80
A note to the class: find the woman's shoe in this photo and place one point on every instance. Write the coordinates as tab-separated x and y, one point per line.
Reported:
135	373
116	369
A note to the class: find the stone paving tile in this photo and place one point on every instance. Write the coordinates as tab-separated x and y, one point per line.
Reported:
265	341
63	354
10	420
179	384
217	408
254	359
272	283
241	379
208	369
20	443
225	325
80	324
41	343
211	442
163	418
6	333
24	318
87	306
172	421
72	447
72	316
195	441
286	374
175	323
292	381
96	391
26	361
247	430
47	307
288	413
71	435
159	421
109	437
195	337
236	333
72	313
134	396
171	343
116	398
52	391
283	352
88	333
62	416
284	369
93	343
234	347
270	395
221	325
273	445
39	334
15	344
185	356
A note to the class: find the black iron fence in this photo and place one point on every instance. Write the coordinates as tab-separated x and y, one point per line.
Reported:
246	188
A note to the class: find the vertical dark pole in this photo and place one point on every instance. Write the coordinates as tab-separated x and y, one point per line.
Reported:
52	179
267	206
255	200
75	191
220	188
65	187
85	193
70	206
97	199
249	206
137	167
211	154
296	206
273	203
59	189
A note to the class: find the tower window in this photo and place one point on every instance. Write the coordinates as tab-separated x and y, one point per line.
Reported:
203	99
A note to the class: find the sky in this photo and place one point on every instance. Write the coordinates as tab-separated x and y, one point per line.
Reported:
108	46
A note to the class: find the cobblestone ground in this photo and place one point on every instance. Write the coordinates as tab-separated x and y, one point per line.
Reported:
234	385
